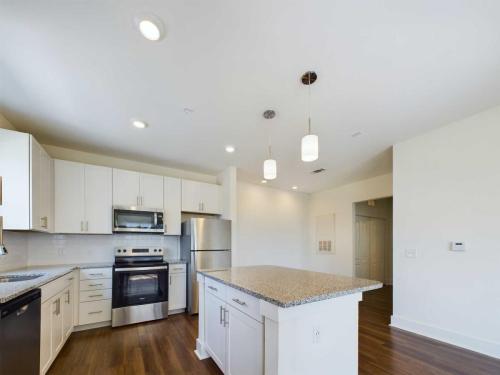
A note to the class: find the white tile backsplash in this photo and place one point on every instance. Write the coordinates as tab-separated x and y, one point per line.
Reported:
75	248
17	246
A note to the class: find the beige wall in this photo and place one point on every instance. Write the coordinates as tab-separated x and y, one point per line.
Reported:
340	201
109	161
5	124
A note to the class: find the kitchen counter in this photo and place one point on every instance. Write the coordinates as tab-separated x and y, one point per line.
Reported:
14	289
286	287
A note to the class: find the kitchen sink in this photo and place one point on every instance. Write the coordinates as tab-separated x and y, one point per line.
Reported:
14	278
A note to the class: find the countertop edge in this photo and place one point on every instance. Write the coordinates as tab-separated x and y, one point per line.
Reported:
273	301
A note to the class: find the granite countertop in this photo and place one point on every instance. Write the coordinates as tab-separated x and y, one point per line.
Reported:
287	287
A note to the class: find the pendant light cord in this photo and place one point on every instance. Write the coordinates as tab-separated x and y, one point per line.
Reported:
309	102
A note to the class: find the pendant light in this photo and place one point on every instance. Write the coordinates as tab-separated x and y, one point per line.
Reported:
310	144
270	167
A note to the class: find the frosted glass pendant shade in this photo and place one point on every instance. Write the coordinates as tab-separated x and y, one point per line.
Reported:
270	169
309	147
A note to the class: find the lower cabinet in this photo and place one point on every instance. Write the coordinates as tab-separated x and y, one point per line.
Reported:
177	284
95	295
57	318
234	340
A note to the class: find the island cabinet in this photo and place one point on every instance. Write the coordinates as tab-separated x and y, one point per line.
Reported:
279	321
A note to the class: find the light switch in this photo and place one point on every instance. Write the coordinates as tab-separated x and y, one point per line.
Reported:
411	253
458	246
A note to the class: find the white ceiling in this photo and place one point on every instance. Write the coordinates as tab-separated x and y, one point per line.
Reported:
75	72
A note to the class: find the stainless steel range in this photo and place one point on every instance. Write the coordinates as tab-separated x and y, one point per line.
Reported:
140	286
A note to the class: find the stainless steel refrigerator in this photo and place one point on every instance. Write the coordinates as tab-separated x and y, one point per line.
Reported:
205	244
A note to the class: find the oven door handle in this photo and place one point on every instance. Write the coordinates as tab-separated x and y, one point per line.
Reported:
141	268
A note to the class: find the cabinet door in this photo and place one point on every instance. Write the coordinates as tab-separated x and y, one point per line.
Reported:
245	344
57	324
177	291
98	199
210	197
191	199
45	336
126	189
172	205
215	331
37	220
151	191
68	302
69	196
47	191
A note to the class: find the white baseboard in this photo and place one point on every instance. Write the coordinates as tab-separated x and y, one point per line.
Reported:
489	348
92	326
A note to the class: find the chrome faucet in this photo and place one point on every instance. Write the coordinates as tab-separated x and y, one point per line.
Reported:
3	249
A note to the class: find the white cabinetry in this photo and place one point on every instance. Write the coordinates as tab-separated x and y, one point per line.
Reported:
172	205
234	334
95	295
56	318
27	173
83	201
137	189
177	288
200	197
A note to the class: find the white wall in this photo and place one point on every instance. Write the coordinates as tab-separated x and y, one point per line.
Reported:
447	188
340	201
76	248
272	226
17	246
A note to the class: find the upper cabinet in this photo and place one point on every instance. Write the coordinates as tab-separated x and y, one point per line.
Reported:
172	205
27	173
200	197
137	189
83	201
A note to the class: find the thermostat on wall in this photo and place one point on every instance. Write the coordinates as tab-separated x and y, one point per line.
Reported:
457	246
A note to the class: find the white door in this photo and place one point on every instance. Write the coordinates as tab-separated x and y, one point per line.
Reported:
36	185
98	199
362	247
69	197
172	205
191	198
57	324
68	302
370	248
47	191
151	191
245	344
215	331
126	190
177	291
210	194
45	335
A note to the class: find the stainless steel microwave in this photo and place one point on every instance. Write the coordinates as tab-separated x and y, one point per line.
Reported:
137	220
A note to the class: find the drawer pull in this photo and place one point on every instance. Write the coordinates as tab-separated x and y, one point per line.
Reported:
95	312
95	295
71	279
212	288
177	269
96	274
95	284
241	303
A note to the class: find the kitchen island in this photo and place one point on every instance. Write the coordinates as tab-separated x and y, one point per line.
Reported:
279	321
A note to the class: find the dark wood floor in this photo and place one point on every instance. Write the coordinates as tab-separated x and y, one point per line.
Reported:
166	347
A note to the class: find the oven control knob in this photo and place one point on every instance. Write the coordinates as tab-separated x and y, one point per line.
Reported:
156	250
124	250
119	251
159	250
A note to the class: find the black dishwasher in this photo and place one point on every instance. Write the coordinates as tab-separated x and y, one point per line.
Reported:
20	335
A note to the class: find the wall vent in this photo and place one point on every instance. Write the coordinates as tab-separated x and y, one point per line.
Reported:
320	170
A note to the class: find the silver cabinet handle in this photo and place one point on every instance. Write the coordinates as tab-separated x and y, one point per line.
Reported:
241	303
96	274
81	226
44	222
170	280
220	315
86	226
68	301
212	288
226	320
96	284
95	312
177	269
95	295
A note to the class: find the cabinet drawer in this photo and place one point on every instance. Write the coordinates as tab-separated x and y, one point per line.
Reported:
244	302
95	295
51	289
94	312
96	284
177	268
95	273
215	288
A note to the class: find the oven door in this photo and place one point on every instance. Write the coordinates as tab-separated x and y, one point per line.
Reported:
139	285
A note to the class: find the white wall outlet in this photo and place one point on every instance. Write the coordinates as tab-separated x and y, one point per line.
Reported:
457	246
411	253
316	335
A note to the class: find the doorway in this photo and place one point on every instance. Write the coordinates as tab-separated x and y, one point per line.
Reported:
373	240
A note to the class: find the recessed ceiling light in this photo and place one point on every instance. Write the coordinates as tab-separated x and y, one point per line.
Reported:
356	134
294	187
139	124
230	149
263	182
150	27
